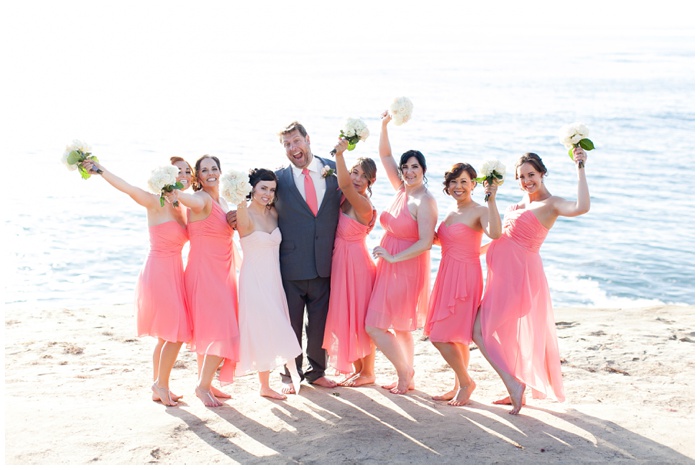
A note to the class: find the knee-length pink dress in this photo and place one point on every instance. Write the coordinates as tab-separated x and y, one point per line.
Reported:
517	319
161	303
352	278
399	298
212	297
458	286
267	337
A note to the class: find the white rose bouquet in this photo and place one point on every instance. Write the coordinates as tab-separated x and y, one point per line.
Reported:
235	186
163	180
401	110
75	154
355	130
491	171
575	135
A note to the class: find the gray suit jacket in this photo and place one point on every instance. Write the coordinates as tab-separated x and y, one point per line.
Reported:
307	241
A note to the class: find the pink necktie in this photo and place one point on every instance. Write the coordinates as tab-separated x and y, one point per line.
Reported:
310	191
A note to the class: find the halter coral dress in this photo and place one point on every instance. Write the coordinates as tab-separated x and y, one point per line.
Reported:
400	295
352	278
517	319
210	280
458	286
161	304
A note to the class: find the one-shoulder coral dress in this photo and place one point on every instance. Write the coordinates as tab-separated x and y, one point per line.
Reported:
212	297
399	298
267	337
161	304
352	278
517	319
458	286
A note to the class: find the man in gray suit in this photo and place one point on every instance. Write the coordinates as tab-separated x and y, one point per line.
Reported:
308	202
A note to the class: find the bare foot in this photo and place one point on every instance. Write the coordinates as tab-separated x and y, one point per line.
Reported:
404	384
324	382
393	385
163	394
463	395
218	393
446	396
207	397
173	396
288	389
269	393
361	380
516	397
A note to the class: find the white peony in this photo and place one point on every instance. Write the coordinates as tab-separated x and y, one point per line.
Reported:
493	169
401	110
356	128
161	177
570	135
235	186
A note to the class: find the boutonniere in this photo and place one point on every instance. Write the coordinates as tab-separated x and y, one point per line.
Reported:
327	171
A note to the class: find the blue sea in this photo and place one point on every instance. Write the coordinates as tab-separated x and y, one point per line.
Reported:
140	86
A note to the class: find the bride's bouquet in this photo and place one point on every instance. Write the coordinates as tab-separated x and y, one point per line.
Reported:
575	135
355	130
235	186
75	154
401	110
163	180
491	171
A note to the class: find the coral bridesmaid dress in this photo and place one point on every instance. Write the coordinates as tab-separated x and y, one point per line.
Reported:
210	280
517	319
400	295
458	286
161	304
352	278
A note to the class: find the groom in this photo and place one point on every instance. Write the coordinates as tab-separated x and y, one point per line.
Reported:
308	202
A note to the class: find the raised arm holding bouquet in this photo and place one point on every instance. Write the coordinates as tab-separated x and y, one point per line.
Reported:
574	136
77	153
492	172
355	130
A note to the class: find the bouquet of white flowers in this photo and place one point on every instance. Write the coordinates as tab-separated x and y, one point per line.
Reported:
163	180
75	154
575	135
235	186
401	110
491	171
355	130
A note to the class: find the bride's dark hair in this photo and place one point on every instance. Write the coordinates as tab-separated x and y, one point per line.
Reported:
257	175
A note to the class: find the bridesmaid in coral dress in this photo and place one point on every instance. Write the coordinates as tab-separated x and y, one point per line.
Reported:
161	309
350	349
210	281
458	286
515	328
399	300
267	337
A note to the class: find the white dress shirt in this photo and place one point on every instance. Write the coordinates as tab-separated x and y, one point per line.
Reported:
316	173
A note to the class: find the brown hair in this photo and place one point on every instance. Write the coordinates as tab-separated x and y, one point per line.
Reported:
369	168
455	171
196	186
295	126
174	160
534	160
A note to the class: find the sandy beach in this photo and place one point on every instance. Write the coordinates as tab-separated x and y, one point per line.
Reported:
77	392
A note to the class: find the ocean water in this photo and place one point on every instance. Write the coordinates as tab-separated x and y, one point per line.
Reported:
191	83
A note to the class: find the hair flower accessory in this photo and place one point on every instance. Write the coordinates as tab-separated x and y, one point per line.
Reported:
235	186
163	180
75	154
575	135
